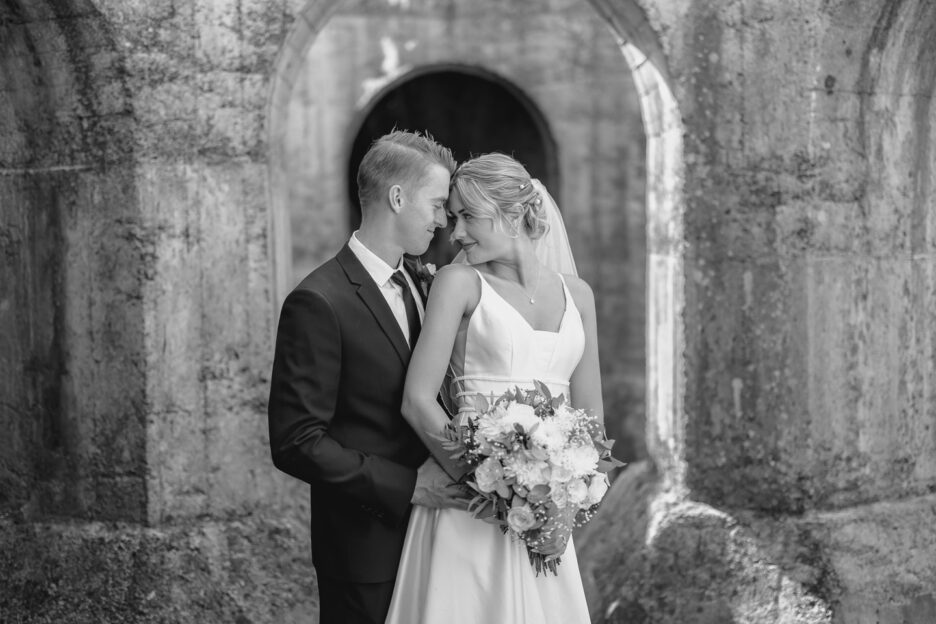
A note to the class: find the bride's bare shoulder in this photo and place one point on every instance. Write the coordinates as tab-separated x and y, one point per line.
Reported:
581	292
455	286
457	273
457	279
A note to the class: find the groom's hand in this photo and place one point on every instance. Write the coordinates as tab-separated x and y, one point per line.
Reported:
435	488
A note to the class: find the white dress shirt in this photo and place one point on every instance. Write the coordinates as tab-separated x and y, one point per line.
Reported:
381	272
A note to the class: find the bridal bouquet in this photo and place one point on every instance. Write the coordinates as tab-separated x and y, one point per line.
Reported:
538	466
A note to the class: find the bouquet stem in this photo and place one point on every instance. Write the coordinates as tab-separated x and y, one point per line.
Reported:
541	564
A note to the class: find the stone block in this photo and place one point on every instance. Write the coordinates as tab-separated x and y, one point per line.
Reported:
871	433
209	335
649	557
246	571
787	391
884	555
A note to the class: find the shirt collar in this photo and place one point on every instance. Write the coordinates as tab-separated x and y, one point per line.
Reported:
379	270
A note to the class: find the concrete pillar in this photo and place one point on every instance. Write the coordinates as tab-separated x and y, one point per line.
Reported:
137	484
804	433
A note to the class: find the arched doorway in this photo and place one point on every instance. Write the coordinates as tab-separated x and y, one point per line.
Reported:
471	111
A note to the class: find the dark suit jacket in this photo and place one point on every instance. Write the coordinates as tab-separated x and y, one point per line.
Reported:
335	421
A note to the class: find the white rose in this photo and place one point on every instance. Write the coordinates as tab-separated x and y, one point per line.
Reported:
559	494
528	473
597	489
521	518
488	474
577	492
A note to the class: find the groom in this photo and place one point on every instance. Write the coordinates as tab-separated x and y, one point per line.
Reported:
342	348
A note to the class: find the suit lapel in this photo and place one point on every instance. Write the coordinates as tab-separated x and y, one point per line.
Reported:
370	294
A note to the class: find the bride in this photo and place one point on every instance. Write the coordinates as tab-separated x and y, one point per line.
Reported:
505	318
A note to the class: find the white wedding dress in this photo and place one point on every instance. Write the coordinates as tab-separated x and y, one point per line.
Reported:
455	568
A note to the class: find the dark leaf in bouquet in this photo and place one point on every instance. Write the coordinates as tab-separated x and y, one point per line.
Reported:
543	565
480	403
538	494
609	463
493	519
542	389
501	506
481	505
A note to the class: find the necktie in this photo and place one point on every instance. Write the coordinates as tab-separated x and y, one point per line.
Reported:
409	302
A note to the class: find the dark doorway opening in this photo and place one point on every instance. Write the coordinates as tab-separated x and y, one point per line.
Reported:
468	110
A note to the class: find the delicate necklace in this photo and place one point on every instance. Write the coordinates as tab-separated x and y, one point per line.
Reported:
535	285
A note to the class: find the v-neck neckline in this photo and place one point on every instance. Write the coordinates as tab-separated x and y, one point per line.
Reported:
565	311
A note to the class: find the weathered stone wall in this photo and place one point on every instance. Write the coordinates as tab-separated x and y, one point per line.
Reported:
72	366
245	570
807	430
200	83
790	328
813	248
137	327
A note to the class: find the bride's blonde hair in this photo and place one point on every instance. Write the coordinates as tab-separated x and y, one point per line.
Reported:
496	186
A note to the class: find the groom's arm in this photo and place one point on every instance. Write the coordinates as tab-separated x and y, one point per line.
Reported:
303	396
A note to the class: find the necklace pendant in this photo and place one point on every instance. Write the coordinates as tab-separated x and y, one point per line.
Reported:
532	300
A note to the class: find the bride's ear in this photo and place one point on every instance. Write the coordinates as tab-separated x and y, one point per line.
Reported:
395	197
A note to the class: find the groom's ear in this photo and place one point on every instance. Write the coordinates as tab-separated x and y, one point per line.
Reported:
395	195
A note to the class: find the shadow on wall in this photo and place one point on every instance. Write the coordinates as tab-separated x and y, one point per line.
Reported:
75	261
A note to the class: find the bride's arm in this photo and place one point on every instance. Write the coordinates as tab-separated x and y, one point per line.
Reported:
454	295
585	385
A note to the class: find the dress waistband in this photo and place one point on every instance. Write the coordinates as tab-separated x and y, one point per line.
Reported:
562	385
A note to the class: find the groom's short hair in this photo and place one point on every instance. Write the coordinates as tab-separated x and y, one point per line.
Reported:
397	158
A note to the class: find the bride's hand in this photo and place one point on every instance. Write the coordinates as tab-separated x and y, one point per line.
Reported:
436	489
